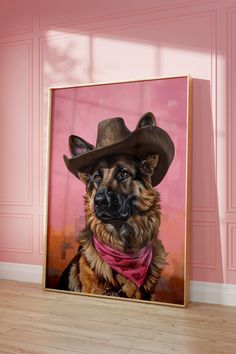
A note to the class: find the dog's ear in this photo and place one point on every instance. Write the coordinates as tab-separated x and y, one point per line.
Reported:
148	165
79	146
147	120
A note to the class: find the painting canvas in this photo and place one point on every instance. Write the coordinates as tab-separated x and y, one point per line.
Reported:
118	191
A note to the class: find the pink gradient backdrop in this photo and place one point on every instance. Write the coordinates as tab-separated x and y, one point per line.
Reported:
79	110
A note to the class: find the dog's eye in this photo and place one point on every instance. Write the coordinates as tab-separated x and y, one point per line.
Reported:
97	178
123	174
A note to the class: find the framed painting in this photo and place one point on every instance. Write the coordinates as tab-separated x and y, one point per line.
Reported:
118	191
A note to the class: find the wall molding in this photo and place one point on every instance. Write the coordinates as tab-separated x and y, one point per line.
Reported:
212	293
230	242
41	235
27	248
211	225
230	205
28	43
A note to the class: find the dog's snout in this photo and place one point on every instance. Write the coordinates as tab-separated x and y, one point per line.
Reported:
113	197
112	207
106	200
101	199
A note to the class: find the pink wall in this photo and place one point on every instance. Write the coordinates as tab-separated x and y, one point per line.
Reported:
64	42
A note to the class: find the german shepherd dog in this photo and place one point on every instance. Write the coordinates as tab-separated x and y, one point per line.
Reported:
119	251
123	211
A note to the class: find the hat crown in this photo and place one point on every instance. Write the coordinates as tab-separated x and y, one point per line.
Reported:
111	131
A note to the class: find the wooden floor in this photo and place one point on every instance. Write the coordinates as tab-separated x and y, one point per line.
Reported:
37	321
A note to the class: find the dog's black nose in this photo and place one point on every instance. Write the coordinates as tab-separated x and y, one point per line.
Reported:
105	200
102	200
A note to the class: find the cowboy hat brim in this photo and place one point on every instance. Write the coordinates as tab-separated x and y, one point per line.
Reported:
141	143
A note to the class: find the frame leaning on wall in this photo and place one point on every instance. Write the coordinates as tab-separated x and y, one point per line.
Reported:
77	111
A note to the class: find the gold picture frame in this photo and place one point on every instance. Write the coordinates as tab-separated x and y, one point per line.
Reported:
78	110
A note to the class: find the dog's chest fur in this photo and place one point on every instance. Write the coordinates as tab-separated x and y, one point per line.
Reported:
95	276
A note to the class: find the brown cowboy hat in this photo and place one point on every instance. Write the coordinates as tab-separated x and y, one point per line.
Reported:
115	138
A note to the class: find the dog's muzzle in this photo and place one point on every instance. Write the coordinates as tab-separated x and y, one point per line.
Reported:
110	207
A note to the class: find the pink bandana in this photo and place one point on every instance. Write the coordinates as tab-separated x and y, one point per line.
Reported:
132	266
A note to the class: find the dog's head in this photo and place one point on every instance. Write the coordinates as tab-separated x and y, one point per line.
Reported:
121	201
116	184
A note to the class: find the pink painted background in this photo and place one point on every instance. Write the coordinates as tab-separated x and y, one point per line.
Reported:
78	111
65	42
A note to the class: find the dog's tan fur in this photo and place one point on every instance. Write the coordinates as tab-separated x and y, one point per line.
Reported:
89	273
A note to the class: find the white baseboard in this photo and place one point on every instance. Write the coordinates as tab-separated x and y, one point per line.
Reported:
22	272
212	293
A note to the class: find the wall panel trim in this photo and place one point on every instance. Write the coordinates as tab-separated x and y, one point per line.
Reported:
29	219
230	12
29	45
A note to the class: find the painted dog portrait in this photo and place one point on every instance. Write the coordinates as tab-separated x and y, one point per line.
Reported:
118	185
119	251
